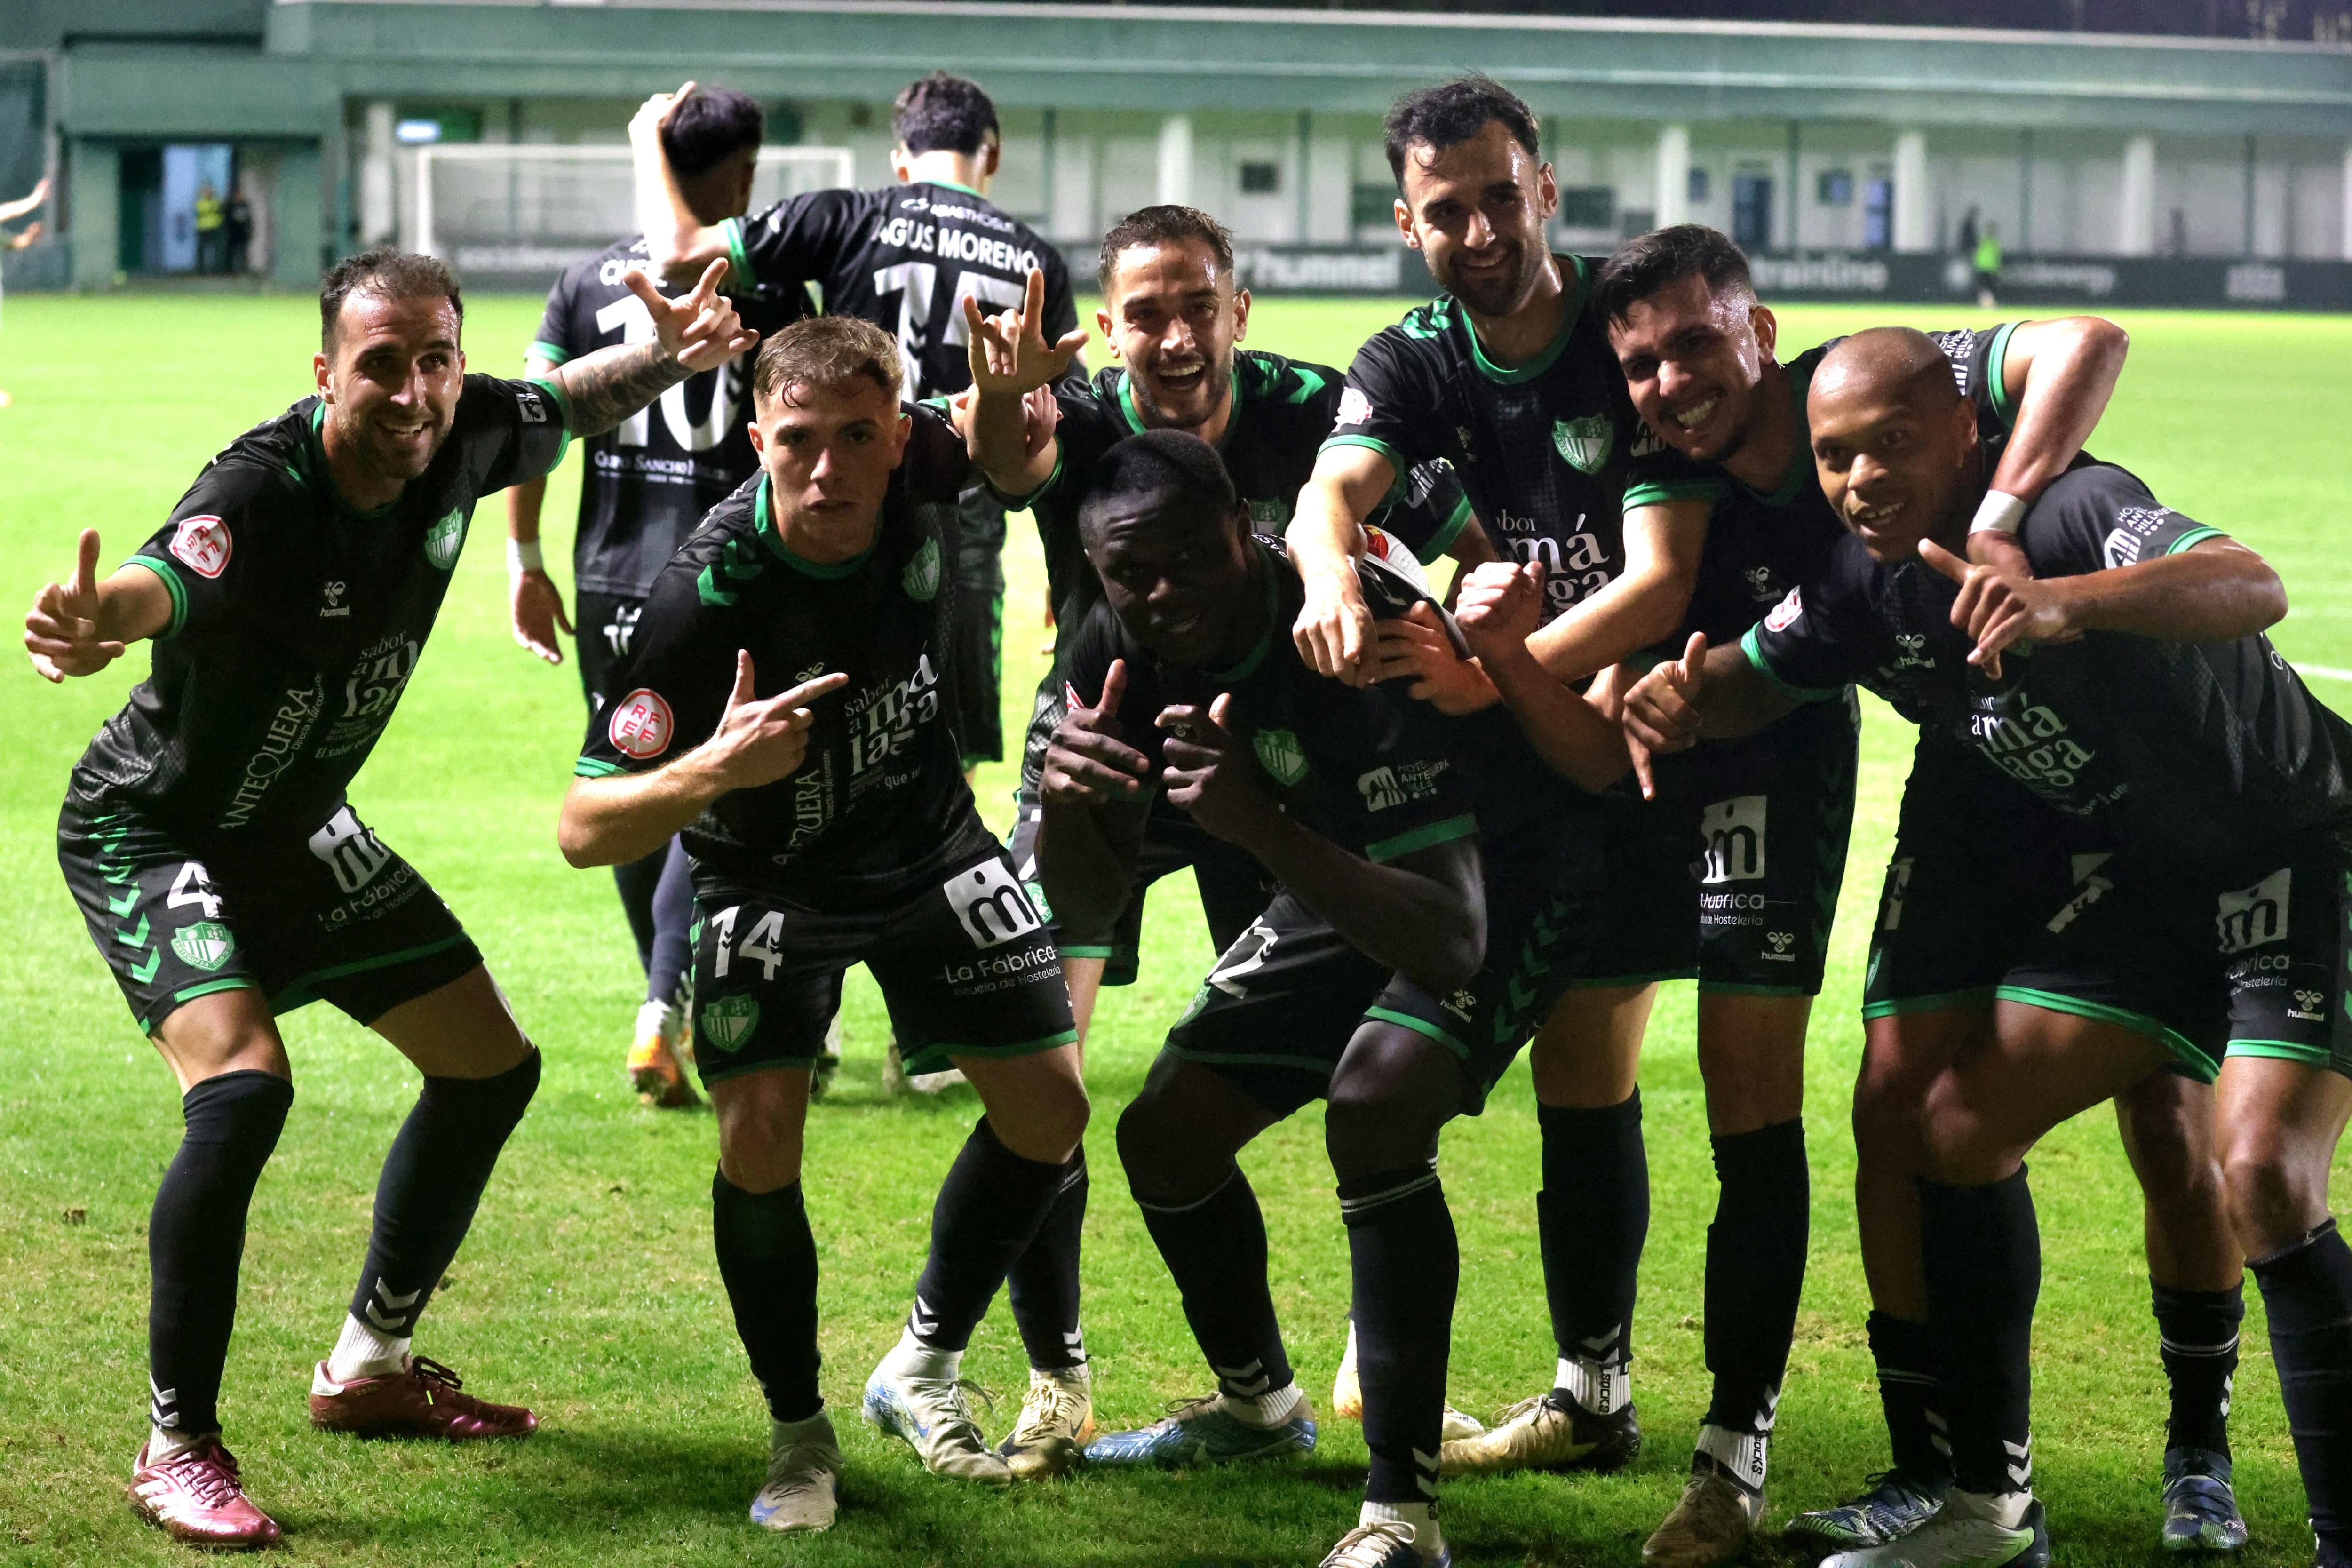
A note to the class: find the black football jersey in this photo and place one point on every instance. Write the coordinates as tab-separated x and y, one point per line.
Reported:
297	620
1282	410
1541	449
1760	545
879	804
905	258
2203	751
649	480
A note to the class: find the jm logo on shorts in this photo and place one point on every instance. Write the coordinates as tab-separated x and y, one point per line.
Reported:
2253	916
990	904
351	850
1731	840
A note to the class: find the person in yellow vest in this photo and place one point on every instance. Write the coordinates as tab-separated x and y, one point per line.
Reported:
1986	262
212	254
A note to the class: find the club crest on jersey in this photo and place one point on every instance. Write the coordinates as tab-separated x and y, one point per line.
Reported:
1280	752
1784	614
1585	443
921	578
641	724
1354	408
204	945
445	538
202	544
728	1022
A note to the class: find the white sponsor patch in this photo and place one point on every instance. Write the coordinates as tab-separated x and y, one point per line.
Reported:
1731	840
991	903
1355	408
1784	614
350	849
1381	789
203	545
2253	917
641	724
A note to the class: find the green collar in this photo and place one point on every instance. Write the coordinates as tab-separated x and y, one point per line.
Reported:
765	527
316	450
1257	655
1559	345
951	185
1134	415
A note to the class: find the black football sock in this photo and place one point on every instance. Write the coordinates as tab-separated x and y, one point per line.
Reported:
636	880
2307	1292
195	1238
1906	1393
2197	1335
432	1183
1405	1268
672	910
1982	1249
768	1259
1592	1214
1215	1249
989	1207
1755	1271
1043	1283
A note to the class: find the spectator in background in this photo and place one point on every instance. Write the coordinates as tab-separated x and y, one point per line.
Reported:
1967	236
1986	262
236	229
211	250
9	213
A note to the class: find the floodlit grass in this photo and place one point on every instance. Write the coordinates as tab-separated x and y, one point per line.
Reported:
588	1289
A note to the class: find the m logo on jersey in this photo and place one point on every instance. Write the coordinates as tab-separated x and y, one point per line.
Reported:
1280	752
1784	614
445	538
728	1022
2253	916
922	577
1585	443
202	544
1381	789
641	725
1731	840
204	945
1355	408
990	904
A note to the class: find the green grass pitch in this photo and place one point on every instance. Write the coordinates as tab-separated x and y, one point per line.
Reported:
588	1289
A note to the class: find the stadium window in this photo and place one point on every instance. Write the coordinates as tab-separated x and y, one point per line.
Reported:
1833	187
1878	214
1698	186
1261	179
1371	206
1588	206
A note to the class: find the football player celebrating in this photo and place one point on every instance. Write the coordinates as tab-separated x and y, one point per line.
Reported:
1768	812
645	484
785	712
225	876
1431	907
2127	685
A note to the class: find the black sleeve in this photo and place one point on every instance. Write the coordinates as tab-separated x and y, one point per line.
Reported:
208	554
514	430
1979	364
2100	516
1390	403
797	240
553	342
677	680
1810	646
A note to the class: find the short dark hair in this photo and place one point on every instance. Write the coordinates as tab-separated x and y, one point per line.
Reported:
826	351
943	113
1166	224
389	272
712	125
1662	258
1453	113
1162	466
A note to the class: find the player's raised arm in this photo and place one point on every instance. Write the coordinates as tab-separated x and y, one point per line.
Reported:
80	626
2058	375
693	333
1642	606
1709	694
1010	361
1334	631
1497	609
680	244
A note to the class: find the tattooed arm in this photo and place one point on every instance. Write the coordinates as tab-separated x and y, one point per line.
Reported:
694	332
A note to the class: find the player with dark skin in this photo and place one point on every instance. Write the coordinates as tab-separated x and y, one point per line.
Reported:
1898	459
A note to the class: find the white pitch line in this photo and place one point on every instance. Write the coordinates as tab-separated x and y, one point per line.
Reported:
2325	671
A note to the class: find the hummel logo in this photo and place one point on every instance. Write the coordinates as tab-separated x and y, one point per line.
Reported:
399	1305
922	1321
2023	1471
2307	1006
330	600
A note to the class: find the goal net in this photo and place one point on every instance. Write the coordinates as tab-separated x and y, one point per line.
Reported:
516	214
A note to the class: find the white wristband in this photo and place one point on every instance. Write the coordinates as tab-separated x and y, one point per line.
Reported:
523	555
1999	512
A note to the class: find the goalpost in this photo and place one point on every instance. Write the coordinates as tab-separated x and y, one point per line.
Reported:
528	210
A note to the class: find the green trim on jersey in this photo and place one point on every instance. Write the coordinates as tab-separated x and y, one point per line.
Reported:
540	348
2281	1050
1938	1001
1551	353
1085	952
190	993
2193	538
173	586
1658	492
1442	539
593	768
1996	368
563	408
301	991
1755	652
1374	444
774	540
1419	1027
2172	1040
1422	838
739	260
951	185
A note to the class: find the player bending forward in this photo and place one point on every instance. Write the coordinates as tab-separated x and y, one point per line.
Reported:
784	712
1431	909
2151	711
206	837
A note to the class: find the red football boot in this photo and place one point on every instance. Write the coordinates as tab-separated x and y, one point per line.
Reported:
425	1400
197	1498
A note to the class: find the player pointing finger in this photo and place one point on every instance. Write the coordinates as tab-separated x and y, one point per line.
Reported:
762	740
1662	710
1088	764
1999	607
67	633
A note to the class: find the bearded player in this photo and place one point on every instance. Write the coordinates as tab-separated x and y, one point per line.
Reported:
225	876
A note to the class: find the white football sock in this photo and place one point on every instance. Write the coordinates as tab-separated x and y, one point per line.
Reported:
164	1443
365	1351
910	1357
2004	1508
1600	1386
816	1428
656	1018
1427	1543
1269	1409
1740	1455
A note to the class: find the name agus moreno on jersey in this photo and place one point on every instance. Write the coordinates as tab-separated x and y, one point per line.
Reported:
927	237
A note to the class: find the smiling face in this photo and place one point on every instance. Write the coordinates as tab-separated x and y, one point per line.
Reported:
1694	359
1176	577
828	452
1895	447
1172	315
1477	211
391	377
